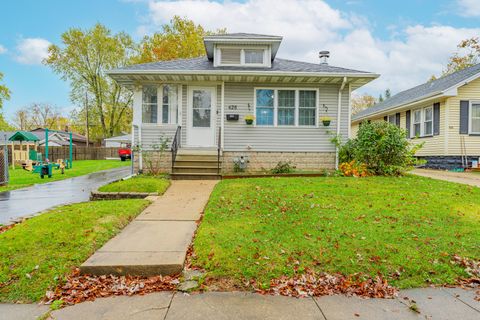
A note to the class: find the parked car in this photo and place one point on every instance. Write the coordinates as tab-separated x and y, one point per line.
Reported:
125	152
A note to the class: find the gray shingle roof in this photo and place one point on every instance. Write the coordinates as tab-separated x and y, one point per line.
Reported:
203	64
420	91
242	35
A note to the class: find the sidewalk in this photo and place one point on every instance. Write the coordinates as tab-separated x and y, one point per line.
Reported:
470	178
156	242
431	303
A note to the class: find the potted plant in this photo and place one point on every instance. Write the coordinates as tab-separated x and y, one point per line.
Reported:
249	119
326	121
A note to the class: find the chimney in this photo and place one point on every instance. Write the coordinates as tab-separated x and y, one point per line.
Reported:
324	55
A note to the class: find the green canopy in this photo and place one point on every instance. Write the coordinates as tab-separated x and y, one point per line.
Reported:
23	136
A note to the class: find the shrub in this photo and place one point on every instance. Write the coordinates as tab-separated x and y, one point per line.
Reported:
283	167
382	147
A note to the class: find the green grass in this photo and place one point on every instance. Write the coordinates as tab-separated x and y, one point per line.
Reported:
263	228
56	241
20	178
138	184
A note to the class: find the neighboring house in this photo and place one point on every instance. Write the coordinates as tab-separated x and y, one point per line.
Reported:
443	113
118	141
59	138
200	105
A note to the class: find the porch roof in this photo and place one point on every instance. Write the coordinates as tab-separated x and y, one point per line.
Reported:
201	69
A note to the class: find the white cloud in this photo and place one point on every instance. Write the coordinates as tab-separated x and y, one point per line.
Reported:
2	49
32	50
408	59
469	8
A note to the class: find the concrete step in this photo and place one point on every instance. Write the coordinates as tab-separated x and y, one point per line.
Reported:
197	163
195	176
196	157
194	169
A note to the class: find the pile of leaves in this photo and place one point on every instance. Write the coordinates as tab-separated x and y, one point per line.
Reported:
6	228
353	169
312	284
79	288
472	268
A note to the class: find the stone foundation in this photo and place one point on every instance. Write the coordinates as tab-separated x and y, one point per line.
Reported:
165	161
264	161
446	162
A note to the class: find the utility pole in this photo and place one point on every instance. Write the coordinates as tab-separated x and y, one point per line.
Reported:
86	117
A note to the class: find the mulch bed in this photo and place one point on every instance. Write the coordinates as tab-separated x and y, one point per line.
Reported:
79	288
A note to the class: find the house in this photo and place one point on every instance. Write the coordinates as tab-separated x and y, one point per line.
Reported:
203	106
443	113
58	138
118	141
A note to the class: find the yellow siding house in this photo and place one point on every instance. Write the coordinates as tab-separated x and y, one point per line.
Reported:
444	113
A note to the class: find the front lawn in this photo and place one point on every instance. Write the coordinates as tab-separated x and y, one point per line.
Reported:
20	178
406	229
140	183
36	254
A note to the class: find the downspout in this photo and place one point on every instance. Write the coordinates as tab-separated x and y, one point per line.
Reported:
140	158
339	113
222	114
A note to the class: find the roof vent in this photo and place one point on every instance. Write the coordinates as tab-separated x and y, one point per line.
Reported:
324	55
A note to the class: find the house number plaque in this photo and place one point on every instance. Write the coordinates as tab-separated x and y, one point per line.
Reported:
232	107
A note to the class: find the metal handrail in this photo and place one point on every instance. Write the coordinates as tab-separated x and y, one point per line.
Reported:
176	144
219	148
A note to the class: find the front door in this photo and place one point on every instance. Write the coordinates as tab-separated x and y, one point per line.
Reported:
201	117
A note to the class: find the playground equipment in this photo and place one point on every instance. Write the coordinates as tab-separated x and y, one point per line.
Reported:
35	163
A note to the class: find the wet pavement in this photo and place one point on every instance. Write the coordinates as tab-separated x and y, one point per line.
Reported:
29	201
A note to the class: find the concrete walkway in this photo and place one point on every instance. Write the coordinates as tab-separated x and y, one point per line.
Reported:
41	197
156	242
470	178
430	303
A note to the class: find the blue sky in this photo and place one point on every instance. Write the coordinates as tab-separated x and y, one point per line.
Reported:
406	41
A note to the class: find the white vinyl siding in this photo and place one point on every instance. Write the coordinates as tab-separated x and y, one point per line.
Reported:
248	55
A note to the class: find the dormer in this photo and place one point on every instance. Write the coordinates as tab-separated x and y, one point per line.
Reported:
242	50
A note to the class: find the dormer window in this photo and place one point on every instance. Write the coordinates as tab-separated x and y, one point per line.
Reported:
244	56
254	56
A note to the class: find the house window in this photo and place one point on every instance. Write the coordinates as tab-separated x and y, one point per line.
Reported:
170	104
286	108
417	123
392	119
253	56
230	56
149	104
307	107
428	121
423	122
265	107
475	118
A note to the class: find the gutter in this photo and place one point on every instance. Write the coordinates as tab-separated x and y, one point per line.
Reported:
242	72
339	114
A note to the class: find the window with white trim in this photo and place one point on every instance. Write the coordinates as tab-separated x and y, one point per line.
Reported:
422	122
149	104
254	56
475	117
170	104
392	118
286	107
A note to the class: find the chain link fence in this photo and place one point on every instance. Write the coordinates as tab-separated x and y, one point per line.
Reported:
3	164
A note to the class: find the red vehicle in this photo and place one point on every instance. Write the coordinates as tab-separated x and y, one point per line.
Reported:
125	152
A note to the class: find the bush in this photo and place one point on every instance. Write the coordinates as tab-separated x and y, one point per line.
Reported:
353	169
283	167
382	147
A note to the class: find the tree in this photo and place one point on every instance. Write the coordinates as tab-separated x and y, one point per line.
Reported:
4	125
362	102
182	38
83	59
40	115
388	94
4	92
467	55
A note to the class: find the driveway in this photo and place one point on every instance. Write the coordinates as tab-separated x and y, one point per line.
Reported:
470	178
25	202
